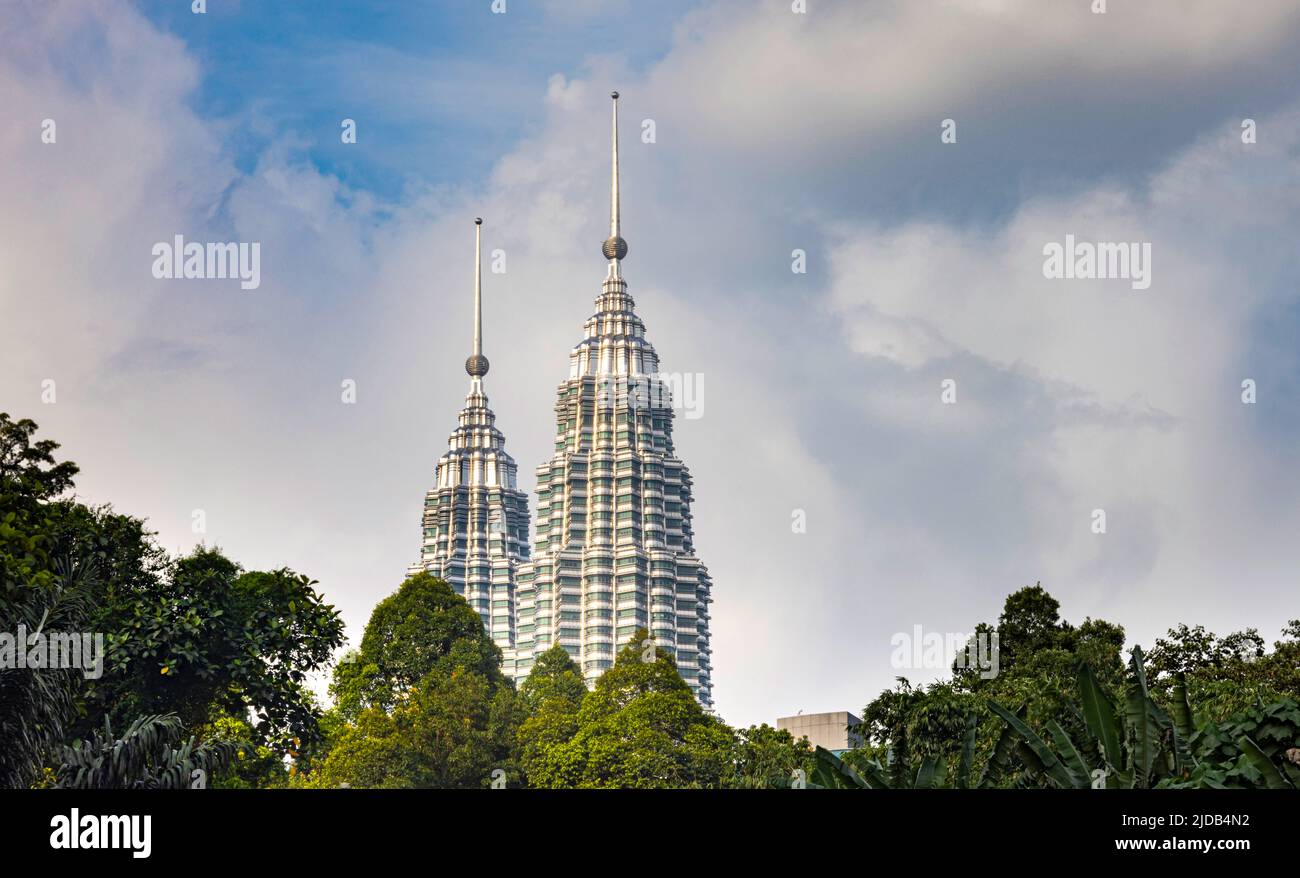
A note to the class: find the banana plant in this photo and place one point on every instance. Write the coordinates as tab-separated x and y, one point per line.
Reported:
1257	748
1138	745
832	772
1137	748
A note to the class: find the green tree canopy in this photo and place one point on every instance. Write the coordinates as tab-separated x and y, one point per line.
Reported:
639	727
423	627
453	731
555	675
551	695
209	637
423	700
1230	674
767	758
1038	660
39	590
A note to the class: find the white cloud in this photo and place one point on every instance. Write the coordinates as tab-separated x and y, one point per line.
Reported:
773	80
822	389
1142	388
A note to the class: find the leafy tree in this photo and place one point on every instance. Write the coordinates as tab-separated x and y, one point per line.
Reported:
371	753
905	726
183	637
423	627
570	735
1189	649
1142	745
423	702
253	766
639	727
210	636
30	479
451	733
149	755
1227	675
768	758
124	553
1135	748
555	675
1147	746
551	695
1038	658
38	593
1030	623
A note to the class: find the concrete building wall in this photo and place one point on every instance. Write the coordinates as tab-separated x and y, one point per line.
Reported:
829	730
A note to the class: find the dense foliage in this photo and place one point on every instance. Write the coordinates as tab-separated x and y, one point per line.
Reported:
148	755
207	666
426	706
423	700
190	639
639	727
423	628
209	637
1063	712
37	590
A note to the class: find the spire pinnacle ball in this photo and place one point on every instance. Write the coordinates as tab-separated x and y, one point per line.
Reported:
478	220
477	366
614	248
614	95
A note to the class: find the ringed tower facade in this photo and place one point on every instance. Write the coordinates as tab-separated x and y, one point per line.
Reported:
614	545
475	522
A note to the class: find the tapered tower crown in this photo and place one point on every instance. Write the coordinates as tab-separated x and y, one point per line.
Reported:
615	546
474	529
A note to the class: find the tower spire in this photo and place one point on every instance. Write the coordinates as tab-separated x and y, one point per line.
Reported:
614	248
477	364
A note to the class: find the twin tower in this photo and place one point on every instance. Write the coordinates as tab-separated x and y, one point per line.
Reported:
614	550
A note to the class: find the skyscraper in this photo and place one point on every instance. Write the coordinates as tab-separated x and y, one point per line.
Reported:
475	518
614	544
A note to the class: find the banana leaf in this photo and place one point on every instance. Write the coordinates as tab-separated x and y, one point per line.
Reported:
1035	751
1147	722
1000	759
1099	716
962	781
830	772
1184	727
1070	757
928	775
1259	760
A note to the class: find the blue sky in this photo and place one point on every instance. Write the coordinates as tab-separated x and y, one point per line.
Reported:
441	90
775	132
